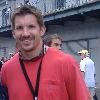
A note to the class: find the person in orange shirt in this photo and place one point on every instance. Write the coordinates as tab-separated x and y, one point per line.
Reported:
34	74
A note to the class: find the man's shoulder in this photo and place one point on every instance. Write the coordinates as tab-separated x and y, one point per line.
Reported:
9	66
12	61
55	52
88	60
52	52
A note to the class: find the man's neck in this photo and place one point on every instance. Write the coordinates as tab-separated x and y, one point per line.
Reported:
32	54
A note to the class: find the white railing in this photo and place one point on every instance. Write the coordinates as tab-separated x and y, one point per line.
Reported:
51	6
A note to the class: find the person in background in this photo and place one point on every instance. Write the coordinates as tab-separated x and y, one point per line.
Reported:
87	68
3	60
53	40
11	55
34	74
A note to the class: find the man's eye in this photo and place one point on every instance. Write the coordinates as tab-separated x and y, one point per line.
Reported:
57	44
31	26
19	28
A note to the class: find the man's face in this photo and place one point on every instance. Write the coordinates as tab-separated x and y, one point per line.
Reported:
56	43
82	56
27	32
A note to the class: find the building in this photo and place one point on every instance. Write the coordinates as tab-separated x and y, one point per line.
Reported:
76	21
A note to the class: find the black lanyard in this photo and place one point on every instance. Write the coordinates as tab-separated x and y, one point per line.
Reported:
34	92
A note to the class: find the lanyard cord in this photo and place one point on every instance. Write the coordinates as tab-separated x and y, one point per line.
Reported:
34	92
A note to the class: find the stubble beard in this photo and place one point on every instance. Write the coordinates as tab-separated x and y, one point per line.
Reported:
24	45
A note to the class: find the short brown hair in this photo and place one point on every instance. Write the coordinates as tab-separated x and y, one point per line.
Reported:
48	39
24	10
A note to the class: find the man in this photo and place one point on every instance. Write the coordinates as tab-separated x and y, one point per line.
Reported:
32	73
53	40
88	70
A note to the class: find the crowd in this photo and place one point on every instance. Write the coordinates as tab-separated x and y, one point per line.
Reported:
40	70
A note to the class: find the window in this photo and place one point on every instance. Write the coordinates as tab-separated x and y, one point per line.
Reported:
4	17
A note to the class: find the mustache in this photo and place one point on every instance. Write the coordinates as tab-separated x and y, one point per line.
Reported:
22	38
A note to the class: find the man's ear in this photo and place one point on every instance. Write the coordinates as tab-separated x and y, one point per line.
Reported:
43	29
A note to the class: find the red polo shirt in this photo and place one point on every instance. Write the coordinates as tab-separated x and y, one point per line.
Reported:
60	78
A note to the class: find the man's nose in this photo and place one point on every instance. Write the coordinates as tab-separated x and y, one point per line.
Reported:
59	47
25	31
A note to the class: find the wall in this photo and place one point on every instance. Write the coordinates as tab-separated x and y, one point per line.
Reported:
8	44
79	31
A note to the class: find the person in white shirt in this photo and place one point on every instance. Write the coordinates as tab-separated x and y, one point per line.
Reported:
87	68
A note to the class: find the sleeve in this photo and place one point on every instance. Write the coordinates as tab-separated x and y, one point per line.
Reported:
75	84
82	66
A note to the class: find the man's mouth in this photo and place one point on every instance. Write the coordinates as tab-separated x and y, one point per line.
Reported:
27	41
28	38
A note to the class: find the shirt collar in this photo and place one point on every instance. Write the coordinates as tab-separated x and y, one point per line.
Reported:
44	49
